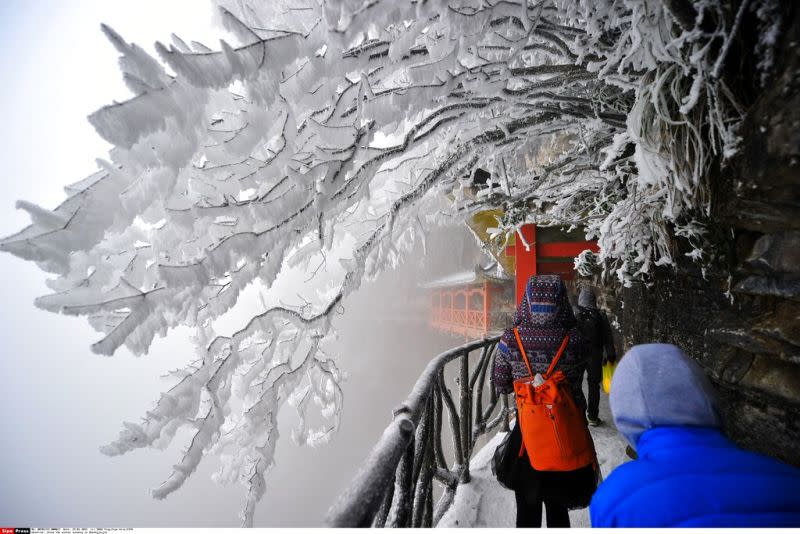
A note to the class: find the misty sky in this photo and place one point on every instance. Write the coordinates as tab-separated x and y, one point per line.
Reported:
59	402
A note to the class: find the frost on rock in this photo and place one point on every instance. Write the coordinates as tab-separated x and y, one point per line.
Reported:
327	137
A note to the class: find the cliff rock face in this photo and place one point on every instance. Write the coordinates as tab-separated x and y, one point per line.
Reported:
740	318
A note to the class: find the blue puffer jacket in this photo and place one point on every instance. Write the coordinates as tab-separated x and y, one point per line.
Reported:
688	474
696	477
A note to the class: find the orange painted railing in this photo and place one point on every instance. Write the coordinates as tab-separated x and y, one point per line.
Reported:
470	323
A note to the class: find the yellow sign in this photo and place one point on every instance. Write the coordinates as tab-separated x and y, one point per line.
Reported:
480	224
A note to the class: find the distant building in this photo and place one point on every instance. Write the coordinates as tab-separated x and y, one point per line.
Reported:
478	302
471	303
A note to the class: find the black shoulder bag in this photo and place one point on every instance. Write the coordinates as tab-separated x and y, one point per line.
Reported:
506	456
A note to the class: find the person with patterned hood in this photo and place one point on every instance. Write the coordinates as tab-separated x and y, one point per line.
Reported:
543	319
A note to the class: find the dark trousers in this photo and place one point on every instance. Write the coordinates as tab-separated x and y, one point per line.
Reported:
529	511
594	375
530	490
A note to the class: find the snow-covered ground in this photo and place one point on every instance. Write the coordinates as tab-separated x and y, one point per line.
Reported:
485	503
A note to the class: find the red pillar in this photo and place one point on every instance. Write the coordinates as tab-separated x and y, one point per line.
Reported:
525	259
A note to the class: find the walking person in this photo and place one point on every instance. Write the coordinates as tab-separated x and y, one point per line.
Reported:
688	474
543	320
596	332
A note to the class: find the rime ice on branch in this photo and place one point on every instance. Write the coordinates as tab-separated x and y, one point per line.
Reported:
339	126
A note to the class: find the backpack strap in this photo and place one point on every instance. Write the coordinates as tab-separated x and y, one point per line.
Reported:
552	364
557	357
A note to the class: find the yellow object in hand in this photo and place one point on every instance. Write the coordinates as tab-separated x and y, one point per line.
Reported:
608	372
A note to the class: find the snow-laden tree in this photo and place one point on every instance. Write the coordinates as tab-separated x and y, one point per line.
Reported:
328	136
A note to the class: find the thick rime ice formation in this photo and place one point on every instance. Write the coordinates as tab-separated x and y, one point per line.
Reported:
347	126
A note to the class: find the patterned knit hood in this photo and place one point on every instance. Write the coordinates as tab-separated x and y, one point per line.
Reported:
544	316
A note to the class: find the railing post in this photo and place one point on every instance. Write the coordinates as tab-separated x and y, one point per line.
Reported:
386	505
404	499
423	466
427	517
466	420
437	427
455	420
479	422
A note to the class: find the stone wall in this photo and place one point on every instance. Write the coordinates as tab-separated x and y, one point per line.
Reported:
740	319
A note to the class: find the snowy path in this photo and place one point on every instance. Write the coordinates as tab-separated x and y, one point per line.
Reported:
484	503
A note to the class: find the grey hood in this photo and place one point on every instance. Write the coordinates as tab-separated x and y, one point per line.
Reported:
658	385
586	298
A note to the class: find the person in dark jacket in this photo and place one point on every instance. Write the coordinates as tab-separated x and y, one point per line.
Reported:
543	319
596	333
688	474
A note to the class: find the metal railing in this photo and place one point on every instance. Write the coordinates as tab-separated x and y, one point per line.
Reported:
395	485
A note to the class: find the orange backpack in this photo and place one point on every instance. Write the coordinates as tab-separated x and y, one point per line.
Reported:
554	432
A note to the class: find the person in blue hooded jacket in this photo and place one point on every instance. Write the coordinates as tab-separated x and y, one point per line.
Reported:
688	474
